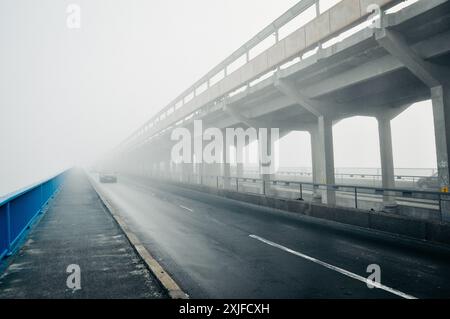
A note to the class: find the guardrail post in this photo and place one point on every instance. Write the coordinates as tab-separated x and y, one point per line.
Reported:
356	197
301	191
217	182
264	186
237	185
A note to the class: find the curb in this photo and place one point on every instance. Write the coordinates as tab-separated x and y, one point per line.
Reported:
174	291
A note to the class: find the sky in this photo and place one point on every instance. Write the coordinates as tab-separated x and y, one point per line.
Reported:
69	95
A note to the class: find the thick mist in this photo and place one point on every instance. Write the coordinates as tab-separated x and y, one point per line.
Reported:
69	95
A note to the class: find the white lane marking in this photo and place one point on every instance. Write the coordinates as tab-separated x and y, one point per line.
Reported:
184	207
339	270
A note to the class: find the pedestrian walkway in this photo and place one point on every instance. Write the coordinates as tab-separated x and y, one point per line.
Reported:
77	244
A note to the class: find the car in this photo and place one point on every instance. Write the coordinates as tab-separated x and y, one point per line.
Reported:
108	177
429	182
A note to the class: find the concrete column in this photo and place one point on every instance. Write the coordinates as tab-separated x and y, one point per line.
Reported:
317	162
187	169
440	97
240	161
226	162
212	171
167	164
325	150
155	169
199	172
198	166
387	162
143	162
266	178
316	156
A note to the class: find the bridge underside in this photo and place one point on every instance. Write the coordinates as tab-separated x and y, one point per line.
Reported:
374	72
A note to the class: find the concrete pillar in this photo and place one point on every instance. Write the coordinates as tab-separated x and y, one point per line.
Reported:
187	169
211	171
317	162
240	160
316	156
155	169
167	164
150	167
440	97
199	172
324	157
387	162
226	162
187	172
270	148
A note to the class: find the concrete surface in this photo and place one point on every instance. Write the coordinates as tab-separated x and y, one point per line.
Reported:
77	229
376	72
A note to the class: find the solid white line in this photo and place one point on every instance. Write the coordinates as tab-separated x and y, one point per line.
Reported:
184	207
339	270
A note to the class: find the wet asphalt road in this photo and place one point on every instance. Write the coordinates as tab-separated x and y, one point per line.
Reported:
220	248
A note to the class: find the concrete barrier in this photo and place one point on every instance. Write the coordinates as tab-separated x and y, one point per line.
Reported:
433	231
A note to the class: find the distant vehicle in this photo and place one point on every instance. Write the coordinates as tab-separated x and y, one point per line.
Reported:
429	182
108	177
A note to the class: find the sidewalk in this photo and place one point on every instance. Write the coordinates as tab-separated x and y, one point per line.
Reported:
77	230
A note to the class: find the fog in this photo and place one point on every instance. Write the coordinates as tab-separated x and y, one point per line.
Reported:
69	95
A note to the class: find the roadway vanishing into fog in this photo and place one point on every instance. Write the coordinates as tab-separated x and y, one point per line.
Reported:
220	248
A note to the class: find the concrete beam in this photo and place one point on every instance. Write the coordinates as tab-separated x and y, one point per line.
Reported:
436	46
288	88
239	117
263	107
394	43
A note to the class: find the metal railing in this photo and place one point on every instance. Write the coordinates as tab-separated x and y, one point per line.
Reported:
431	203
20	209
407	181
362	179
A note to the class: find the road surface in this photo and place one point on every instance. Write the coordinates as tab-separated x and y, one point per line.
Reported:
220	248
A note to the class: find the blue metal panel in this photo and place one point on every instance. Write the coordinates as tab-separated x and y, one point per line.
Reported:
3	231
20	209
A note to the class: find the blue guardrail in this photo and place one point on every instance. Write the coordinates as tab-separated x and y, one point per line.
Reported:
20	209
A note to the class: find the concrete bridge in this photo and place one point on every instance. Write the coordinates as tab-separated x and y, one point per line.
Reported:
339	64
263	236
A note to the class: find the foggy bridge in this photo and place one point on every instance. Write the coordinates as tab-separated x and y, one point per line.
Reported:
220	229
338	65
